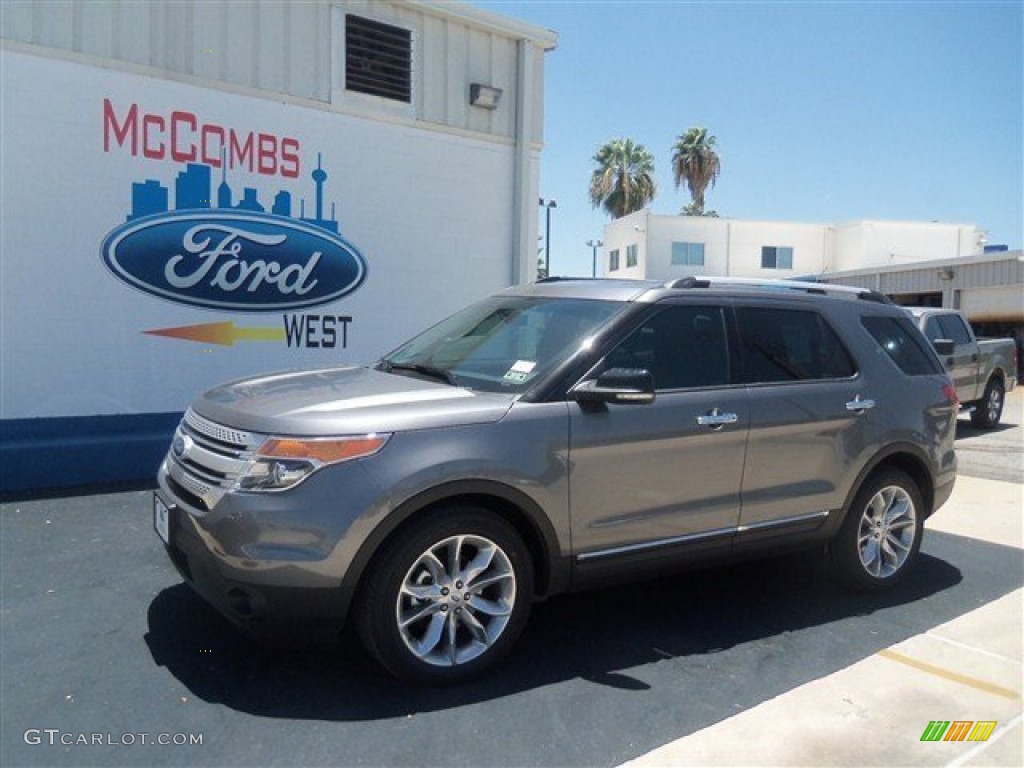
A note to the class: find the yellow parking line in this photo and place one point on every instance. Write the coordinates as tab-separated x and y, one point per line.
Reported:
931	669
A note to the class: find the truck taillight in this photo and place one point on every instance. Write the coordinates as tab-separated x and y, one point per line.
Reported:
950	392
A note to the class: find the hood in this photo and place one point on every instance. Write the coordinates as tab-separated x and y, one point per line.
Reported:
346	401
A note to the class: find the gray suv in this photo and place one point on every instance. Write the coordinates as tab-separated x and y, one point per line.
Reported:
559	436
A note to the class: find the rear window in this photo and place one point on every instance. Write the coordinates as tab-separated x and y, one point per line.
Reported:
901	342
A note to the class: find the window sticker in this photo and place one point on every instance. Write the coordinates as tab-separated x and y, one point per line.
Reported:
520	371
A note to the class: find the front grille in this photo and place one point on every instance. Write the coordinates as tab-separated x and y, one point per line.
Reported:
207	458
230	437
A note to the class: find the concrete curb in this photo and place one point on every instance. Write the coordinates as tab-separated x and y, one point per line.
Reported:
876	711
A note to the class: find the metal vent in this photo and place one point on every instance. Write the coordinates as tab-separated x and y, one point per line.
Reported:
378	59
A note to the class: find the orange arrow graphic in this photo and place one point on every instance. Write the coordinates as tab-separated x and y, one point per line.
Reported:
225	334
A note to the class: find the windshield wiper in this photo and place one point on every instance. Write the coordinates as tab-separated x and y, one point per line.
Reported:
427	370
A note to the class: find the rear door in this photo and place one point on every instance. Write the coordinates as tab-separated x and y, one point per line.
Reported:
662	479
807	416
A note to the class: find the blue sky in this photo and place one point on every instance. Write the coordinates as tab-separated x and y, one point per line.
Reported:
824	111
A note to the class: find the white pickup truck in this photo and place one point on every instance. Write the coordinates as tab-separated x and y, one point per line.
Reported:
983	370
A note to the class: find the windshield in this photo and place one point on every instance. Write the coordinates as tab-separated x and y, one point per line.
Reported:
503	343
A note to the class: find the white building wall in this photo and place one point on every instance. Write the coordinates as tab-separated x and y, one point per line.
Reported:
92	93
714	235
733	247
297	48
884	243
748	237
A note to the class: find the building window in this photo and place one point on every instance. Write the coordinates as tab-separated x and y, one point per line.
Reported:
631	255
776	257
688	254
613	260
378	59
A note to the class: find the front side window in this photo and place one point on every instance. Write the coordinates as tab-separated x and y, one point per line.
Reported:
946	327
776	257
683	347
899	340
378	59
688	254
953	328
502	344
790	345
613	260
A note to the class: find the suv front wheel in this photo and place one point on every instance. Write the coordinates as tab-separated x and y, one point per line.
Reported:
447	597
881	535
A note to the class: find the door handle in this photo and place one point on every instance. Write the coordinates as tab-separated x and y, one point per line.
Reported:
857	405
716	419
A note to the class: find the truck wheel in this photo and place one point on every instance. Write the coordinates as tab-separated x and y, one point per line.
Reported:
881	535
447	597
989	409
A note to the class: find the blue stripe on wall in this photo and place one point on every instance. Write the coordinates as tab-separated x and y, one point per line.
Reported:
45	454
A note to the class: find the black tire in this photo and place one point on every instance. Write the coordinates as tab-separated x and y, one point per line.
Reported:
989	409
432	556
877	545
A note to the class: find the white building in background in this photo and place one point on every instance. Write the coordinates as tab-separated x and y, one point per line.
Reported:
200	190
644	245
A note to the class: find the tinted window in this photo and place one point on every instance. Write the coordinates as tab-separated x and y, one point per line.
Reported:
953	328
932	329
899	340
682	346
790	345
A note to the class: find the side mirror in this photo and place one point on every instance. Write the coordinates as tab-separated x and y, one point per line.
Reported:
944	347
624	386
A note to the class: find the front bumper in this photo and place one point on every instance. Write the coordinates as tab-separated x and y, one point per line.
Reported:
270	563
262	609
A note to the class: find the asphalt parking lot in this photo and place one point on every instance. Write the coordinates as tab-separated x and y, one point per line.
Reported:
105	653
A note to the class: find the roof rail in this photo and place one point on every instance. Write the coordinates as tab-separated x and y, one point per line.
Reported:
559	279
791	285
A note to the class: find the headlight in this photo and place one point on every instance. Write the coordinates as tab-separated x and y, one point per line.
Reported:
282	462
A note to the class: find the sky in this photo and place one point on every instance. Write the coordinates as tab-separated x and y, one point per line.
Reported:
824	112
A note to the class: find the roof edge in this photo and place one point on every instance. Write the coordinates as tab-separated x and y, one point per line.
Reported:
547	39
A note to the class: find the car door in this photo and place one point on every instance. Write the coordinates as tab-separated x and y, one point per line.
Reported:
963	365
662	478
807	419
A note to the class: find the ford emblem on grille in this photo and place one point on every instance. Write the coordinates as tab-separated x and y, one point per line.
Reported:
181	446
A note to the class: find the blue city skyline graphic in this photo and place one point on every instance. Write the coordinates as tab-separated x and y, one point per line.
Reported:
193	190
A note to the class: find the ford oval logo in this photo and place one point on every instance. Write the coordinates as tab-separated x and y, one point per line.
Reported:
181	446
241	261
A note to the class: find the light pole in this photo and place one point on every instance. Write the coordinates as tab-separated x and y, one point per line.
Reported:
547	205
594	244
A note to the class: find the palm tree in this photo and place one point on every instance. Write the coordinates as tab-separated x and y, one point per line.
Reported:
695	161
623	181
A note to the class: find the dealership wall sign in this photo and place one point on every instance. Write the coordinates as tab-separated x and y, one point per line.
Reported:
214	247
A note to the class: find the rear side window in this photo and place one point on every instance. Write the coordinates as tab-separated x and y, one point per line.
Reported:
790	345
901	342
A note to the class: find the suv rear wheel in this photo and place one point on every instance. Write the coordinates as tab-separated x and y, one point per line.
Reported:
880	538
447	597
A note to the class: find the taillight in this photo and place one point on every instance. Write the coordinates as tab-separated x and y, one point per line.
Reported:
950	393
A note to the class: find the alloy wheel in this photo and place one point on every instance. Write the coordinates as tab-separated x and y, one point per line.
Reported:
886	533
456	600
